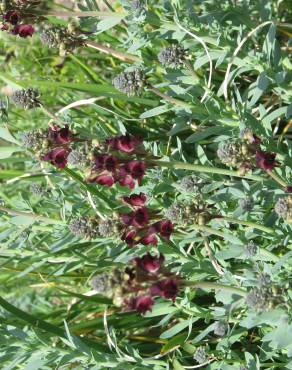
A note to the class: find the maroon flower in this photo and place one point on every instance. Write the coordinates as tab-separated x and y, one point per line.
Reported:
126	143
149	263
106	180
127	180
134	168
12	16
266	161
149	239
60	135
4	27
57	157
164	228
141	304
136	200
130	237
23	30
139	218
288	189
167	288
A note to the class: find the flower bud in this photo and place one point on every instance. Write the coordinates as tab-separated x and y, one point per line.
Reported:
200	355
220	328
109	228
77	158
230	154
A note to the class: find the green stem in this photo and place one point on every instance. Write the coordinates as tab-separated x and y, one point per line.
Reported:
34	216
191	70
277	178
52	116
115	53
169	98
215	286
44	325
246	223
101	15
205	169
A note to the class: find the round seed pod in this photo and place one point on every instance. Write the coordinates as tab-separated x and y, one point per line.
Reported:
172	56
230	154
246	204
84	227
190	183
251	249
200	355
102	283
258	299
26	98
37	189
220	328
109	228
283	207
77	158
131	83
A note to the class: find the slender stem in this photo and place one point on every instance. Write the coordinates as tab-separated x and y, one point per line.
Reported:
206	169
115	53
34	216
52	116
169	98
215	286
191	69
285	130
101	15
276	178
246	223
213	260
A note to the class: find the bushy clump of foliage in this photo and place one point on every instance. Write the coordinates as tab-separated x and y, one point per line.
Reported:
145	180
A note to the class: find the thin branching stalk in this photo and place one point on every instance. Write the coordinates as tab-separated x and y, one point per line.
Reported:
169	98
115	53
33	216
213	260
245	223
96	14
205	169
236	51
276	178
202	42
216	286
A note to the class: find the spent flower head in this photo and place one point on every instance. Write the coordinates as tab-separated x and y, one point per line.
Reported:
27	98
84	227
131	82
172	56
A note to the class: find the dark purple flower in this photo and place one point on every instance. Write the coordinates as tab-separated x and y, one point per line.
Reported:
12	16
149	239
167	288
126	180
126	143
288	189
139	218
265	160
130	237
57	157
136	200
60	135
135	168
23	30
164	228
149	263
141	304
106	180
